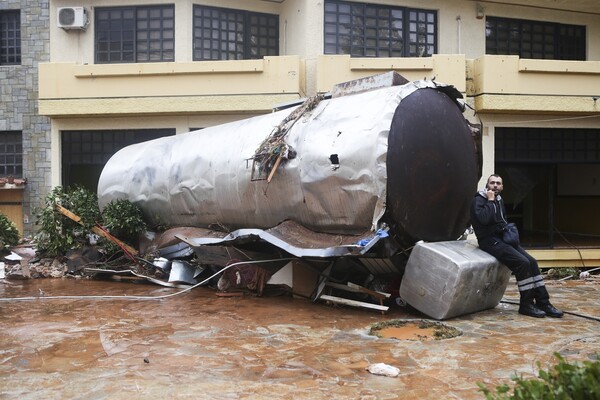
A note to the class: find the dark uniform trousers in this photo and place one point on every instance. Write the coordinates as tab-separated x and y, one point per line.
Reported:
523	266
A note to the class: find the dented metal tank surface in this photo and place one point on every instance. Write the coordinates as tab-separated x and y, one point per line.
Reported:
401	155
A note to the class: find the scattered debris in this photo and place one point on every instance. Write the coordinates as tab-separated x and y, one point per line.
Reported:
247	276
383	369
77	259
274	149
130	273
352	288
36	268
13	257
25	250
230	294
184	272
584	275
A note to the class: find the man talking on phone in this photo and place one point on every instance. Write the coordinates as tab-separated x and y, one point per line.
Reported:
488	218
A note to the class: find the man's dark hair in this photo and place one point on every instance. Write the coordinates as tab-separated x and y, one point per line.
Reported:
493	175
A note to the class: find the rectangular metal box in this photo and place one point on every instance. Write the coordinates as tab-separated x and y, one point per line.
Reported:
448	279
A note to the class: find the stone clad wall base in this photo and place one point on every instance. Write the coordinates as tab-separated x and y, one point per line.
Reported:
449	279
19	108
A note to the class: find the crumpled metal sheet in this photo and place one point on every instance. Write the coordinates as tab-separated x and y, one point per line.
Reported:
204	177
295	240
385	79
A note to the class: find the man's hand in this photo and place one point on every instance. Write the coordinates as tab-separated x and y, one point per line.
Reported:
490	195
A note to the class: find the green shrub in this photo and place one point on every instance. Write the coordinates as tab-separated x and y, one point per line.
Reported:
564	381
85	204
9	234
57	233
124	220
563	272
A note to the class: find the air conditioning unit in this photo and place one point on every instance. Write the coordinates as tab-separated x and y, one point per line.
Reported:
72	18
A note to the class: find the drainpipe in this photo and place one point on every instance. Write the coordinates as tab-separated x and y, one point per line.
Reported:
458	26
285	37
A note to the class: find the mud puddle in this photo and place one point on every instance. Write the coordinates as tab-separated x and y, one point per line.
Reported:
414	330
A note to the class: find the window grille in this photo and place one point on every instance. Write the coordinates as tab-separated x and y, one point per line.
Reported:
10	37
11	154
534	39
228	34
135	34
371	30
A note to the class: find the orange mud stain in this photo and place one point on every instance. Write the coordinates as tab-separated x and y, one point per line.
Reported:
407	332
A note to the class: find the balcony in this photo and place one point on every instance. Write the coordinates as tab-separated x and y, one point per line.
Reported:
509	84
445	68
247	86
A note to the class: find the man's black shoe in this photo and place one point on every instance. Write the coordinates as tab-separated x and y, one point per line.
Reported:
531	311
551	311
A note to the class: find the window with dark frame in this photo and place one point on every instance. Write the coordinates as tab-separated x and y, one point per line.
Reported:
228	34
535	39
135	34
10	37
11	154
371	30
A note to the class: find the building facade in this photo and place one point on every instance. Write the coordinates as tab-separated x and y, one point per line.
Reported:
24	132
119	72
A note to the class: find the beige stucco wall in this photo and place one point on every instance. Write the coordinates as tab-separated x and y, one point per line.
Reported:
78	46
301	33
457	19
461	34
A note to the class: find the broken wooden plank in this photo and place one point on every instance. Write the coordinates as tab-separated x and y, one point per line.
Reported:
277	162
354	288
354	303
373	293
323	280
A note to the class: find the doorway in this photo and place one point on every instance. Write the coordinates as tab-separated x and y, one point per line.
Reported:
552	184
84	153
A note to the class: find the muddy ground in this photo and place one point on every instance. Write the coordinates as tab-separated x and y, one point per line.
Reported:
203	346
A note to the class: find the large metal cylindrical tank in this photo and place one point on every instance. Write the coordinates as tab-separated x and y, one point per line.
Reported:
403	155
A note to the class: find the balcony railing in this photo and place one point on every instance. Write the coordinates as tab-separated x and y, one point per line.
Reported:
511	84
69	89
498	84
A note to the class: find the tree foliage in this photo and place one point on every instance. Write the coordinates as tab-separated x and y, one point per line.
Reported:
58	234
124	220
563	381
9	234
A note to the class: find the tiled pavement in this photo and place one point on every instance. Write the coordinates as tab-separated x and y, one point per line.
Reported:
197	345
